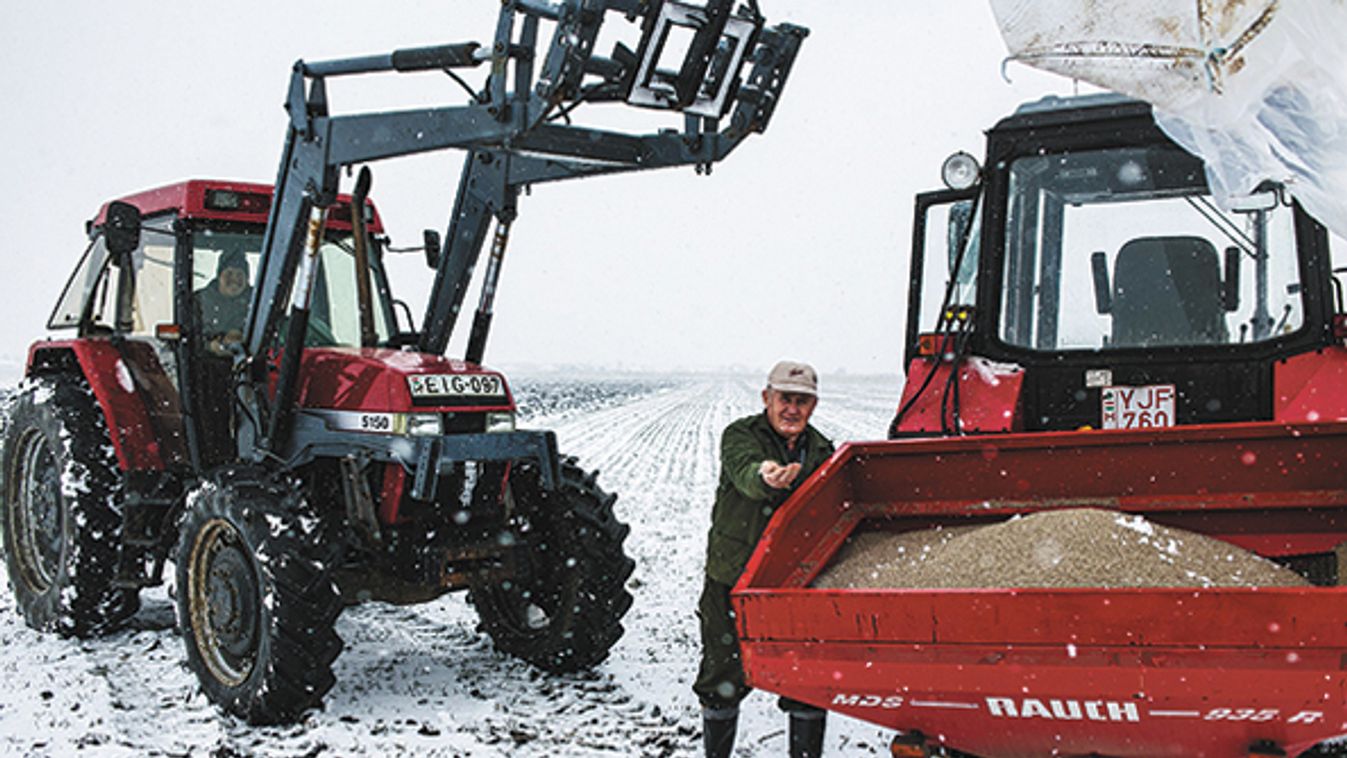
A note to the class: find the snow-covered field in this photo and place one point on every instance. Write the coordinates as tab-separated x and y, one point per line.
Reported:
421	679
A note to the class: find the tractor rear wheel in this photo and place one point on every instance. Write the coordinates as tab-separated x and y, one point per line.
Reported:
257	605
62	515
563	609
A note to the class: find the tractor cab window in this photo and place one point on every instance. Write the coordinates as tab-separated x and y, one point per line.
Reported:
225	265
224	270
1124	248
334	318
142	297
80	287
153	302
950	259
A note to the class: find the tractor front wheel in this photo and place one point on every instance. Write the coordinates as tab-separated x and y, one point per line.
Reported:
257	605
61	511
563	609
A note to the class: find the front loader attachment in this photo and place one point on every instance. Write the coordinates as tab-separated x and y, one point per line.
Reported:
1006	671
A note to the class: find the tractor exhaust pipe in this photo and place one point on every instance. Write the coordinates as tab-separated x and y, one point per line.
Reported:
361	239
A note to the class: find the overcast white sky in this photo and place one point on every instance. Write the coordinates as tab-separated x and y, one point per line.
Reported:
795	247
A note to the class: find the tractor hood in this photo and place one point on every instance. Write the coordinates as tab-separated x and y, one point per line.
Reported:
375	379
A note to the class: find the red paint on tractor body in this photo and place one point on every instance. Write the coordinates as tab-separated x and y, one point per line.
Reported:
375	380
989	396
189	200
141	407
138	404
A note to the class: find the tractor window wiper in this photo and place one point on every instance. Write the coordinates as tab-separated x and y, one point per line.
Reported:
1224	225
343	246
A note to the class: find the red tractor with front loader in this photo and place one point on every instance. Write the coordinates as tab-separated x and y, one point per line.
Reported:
1088	328
241	394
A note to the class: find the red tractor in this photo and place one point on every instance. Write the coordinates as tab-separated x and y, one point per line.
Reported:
1087	328
241	393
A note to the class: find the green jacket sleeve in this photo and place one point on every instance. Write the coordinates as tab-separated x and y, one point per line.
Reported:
740	457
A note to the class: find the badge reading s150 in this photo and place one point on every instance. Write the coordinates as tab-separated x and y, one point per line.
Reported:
456	385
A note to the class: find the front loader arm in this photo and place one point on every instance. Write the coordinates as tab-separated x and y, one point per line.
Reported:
512	138
491	179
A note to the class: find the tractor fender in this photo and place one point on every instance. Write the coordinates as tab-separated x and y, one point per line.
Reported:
991	397
101	364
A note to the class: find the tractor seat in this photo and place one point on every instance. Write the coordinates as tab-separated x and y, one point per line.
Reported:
1167	291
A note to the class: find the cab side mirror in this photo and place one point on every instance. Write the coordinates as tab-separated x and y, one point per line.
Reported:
432	244
121	230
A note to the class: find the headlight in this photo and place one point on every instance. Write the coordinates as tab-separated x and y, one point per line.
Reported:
500	421
375	422
424	424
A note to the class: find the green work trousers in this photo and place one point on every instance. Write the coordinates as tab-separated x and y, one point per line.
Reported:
720	680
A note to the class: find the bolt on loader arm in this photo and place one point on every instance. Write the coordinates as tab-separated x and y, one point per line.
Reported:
517	131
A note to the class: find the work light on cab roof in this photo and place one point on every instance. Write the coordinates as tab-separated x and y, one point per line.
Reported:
960	171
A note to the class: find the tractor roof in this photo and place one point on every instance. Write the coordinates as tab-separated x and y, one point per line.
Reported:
1053	110
226	200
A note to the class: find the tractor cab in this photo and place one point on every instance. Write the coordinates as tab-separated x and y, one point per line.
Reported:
200	227
1085	278
175	301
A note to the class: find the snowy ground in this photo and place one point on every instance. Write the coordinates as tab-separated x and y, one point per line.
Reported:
421	680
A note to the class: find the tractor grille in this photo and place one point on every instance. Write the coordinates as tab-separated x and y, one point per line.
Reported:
464	423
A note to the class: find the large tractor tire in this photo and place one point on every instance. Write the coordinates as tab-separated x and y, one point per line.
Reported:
62	514
563	610
257	605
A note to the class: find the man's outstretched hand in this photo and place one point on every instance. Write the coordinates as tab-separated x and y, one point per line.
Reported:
778	476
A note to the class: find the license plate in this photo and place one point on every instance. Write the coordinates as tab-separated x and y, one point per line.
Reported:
1137	407
456	385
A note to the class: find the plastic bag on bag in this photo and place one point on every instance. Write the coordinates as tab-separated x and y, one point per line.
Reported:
1257	90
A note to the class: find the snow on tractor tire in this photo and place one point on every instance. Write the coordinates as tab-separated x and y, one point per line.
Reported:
62	518
257	605
563	611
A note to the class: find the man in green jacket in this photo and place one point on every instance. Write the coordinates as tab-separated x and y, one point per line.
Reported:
763	458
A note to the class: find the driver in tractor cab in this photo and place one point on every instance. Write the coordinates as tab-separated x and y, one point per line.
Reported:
222	312
763	459
222	304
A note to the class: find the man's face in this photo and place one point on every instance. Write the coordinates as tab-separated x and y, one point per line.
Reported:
788	412
232	281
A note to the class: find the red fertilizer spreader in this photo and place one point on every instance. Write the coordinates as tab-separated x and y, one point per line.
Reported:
1010	672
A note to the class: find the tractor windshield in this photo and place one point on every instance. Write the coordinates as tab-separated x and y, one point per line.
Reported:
225	269
1123	248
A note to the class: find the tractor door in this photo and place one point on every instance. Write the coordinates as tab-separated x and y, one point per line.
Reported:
221	269
944	236
123	311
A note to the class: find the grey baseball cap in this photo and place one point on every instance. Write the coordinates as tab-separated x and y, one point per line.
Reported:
792	376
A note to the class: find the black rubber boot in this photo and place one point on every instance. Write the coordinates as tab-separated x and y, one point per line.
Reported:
806	734
718	728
